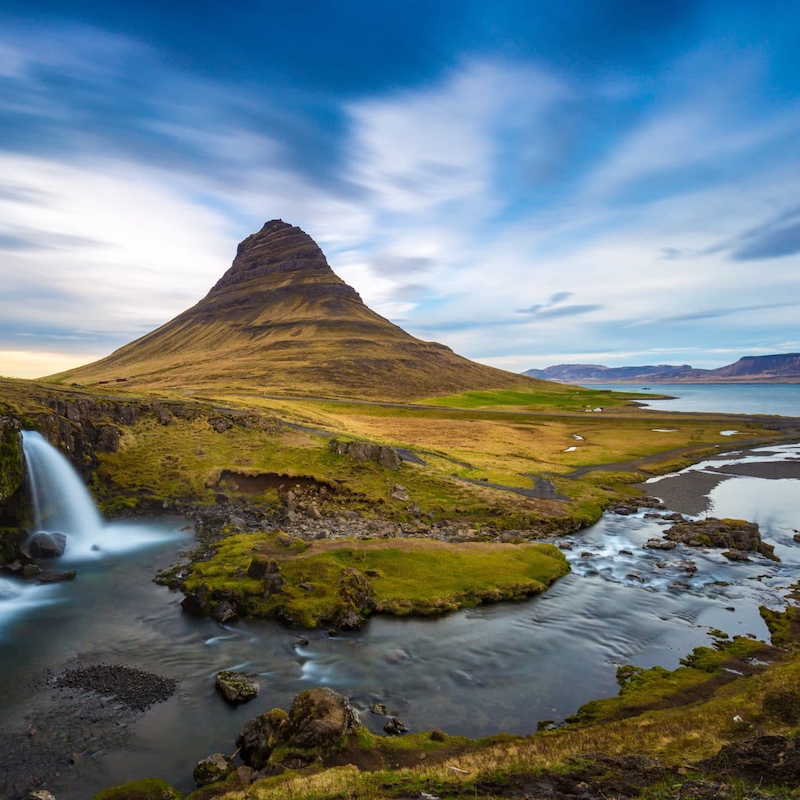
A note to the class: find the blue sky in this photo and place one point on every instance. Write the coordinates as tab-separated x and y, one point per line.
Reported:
530	183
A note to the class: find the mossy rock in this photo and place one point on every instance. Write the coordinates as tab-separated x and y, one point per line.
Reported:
148	789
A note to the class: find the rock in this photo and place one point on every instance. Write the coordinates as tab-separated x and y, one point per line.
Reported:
31	571
358	599
733	534
47	545
237	687
225	612
220	424
389	458
399	493
245	775
379	708
659	544
261	566
394	727
796	537
361	451
211	769
273	584
320	718
41	794
49	576
735	555
260	736
197	603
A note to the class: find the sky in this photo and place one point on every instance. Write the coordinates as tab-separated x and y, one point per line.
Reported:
528	182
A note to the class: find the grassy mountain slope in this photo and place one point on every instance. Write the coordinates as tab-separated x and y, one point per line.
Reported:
280	321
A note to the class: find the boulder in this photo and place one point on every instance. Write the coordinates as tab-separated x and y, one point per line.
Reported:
733	534
394	727
357	597
237	687
47	545
225	611
658	544
50	576
197	603
41	794
212	769
261	566
260	736
320	718
389	458
400	493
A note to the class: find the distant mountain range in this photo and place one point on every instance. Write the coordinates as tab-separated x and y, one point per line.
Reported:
782	368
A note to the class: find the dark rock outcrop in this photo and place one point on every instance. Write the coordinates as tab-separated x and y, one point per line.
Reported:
387	457
320	717
732	534
47	545
260	736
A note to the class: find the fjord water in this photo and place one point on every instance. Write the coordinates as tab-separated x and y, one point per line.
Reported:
475	672
782	399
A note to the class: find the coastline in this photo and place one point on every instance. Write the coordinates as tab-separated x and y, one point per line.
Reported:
688	492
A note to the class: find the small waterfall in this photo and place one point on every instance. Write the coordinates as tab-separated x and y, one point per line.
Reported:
61	503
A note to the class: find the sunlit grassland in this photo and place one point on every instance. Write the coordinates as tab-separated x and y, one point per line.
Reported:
555	397
460	450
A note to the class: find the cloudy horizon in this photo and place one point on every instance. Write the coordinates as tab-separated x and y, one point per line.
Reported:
529	183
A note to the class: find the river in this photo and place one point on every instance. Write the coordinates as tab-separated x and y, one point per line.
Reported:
475	672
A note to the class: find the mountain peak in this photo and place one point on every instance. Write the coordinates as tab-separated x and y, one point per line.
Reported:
280	320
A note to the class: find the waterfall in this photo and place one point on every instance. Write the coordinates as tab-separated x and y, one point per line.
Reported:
61	503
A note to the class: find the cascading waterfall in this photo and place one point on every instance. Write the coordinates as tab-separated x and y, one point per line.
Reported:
61	503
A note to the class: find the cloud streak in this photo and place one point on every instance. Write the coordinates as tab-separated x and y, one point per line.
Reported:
537	179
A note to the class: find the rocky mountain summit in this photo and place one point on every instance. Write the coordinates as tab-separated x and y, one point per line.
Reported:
280	321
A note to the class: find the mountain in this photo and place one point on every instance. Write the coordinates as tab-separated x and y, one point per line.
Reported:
782	368
280	321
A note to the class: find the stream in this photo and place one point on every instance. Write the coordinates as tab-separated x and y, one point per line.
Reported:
498	668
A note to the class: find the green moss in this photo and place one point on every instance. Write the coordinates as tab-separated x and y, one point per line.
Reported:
149	789
784	626
323	584
643	689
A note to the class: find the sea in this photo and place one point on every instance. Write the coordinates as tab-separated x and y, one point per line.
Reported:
782	399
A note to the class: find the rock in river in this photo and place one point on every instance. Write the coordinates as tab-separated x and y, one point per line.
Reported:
47	545
237	687
732	534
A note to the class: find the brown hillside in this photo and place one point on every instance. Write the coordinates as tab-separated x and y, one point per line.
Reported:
280	321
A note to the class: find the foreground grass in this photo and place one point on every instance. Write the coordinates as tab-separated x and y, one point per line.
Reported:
680	737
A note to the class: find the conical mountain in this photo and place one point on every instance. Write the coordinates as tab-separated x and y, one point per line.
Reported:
280	321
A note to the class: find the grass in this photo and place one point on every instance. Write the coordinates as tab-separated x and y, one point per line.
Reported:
547	397
407	576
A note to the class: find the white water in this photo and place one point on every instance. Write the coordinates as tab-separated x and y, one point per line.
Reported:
62	504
